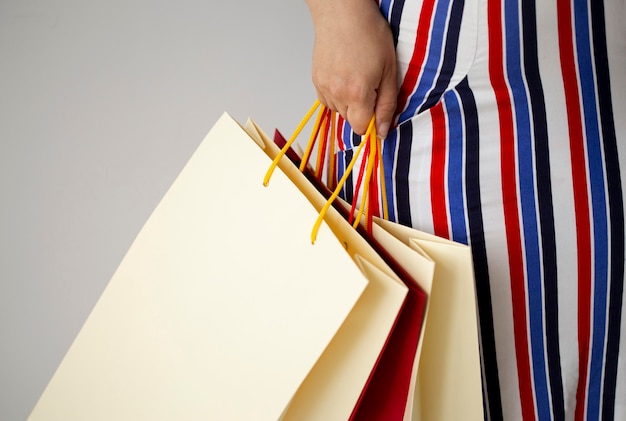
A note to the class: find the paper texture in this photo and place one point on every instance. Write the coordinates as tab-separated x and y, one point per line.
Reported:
220	307
449	377
333	387
446	383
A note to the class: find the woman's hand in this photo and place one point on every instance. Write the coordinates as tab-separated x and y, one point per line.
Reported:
354	62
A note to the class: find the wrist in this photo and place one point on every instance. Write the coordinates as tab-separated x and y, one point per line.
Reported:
338	10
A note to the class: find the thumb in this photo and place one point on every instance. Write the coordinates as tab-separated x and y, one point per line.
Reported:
385	107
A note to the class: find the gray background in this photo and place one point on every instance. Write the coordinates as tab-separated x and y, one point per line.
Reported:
101	105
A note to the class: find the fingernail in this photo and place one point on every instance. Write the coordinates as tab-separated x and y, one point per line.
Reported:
383	130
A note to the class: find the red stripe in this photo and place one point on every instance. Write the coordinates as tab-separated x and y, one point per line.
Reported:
419	53
324	144
340	129
359	181
581	197
374	191
373	202
438	172
315	137
510	202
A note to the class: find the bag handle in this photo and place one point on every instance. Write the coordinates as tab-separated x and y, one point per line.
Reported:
370	171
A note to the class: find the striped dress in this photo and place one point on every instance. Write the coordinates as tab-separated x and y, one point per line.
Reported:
511	137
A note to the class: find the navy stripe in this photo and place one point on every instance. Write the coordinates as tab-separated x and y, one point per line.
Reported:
546	210
491	379
347	191
392	10
599	207
403	163
432	63
449	55
528	207
394	19
616	208
356	138
351	141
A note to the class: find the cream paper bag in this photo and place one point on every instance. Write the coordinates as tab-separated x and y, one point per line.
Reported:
446	380
222	308
447	373
387	391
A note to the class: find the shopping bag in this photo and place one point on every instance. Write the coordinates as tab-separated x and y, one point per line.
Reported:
223	310
446	375
389	389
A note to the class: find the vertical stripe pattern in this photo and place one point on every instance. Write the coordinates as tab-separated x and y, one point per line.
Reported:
473	159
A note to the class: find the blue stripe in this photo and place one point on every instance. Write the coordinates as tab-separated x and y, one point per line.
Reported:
491	380
433	60
389	155
616	209
456	200
346	135
546	209
449	55
343	159
350	139
385	6
599	206
529	210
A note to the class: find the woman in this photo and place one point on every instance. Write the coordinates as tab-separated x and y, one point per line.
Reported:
504	129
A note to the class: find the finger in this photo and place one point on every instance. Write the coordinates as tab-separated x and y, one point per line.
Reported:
359	116
331	105
323	99
386	102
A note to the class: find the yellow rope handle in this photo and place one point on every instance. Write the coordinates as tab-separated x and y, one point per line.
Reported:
370	138
322	146
383	188
312	137
292	139
331	153
341	182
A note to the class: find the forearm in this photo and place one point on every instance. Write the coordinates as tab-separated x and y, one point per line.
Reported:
324	11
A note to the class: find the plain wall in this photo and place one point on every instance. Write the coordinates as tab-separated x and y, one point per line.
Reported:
101	105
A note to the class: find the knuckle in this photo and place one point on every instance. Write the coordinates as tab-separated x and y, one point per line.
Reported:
387	107
358	90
